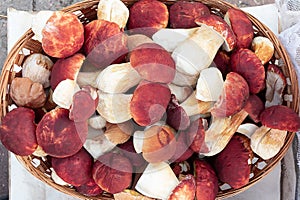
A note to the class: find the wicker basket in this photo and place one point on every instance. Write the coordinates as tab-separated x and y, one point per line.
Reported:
87	11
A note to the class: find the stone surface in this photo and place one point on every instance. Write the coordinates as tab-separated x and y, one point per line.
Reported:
3	173
52	4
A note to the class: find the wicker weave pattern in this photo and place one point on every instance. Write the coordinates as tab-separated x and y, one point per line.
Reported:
86	11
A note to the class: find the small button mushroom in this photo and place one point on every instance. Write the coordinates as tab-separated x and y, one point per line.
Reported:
76	169
119	133
184	13
221	27
157	181
37	67
241	26
118	78
233	98
63	35
263	48
169	38
159	143
25	92
105	43
55	131
64	92
17	131
148	14
112	172
186	189
113	11
233	164
149	102
209	85
115	108
275	85
153	63
204	43
206	180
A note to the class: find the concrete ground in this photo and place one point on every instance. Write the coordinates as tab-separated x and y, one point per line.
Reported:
35	5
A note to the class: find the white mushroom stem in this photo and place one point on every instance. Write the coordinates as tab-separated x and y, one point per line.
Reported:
157	181
138	140
192	106
118	78
181	92
63	93
267	142
198	51
97	122
247	129
88	78
220	132
115	108
171	38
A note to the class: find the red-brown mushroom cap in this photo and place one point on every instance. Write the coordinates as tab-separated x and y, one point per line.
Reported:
151	14
84	104
17	131
248	65
149	102
280	117
222	62
195	136
153	63
67	68
206	180
183	152
176	115
232	164
221	27
241	26
104	43
184	13
76	169
254	106
112	172
63	35
89	189
233	98
186	189
59	136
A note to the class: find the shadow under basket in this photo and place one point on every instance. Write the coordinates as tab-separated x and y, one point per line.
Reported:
86	12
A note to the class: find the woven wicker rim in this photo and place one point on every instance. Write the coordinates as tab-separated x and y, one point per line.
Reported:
88	12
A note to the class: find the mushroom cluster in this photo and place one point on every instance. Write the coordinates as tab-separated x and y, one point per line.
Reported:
171	108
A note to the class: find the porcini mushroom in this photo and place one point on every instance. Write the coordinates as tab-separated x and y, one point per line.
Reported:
115	108
37	67
157	181
55	131
204	44
181	92
263	48
113	11
119	133
186	189
17	131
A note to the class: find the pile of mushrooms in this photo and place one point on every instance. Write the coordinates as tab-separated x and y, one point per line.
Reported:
168	109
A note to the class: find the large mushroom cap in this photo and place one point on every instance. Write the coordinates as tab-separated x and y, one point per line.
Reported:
76	169
184	13
17	131
63	35
280	117
58	135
